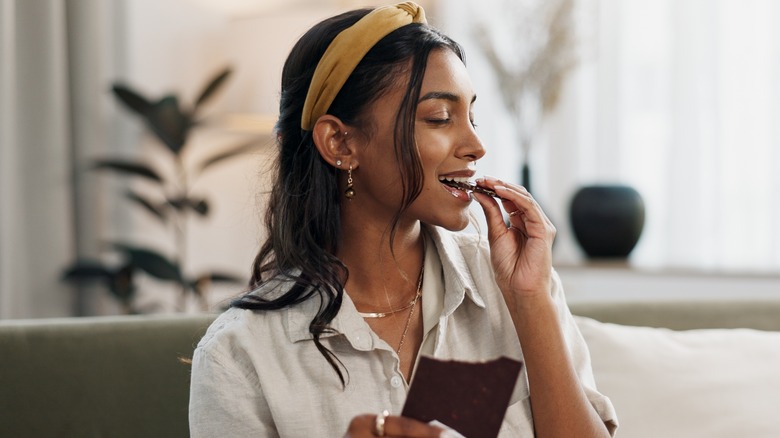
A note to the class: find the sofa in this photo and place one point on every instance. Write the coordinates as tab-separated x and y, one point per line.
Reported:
118	376
668	366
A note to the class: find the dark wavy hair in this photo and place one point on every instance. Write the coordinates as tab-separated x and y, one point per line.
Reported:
302	216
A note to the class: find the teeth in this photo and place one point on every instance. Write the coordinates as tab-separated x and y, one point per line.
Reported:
456	179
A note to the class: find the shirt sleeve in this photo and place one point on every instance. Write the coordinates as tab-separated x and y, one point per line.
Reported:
224	400
581	359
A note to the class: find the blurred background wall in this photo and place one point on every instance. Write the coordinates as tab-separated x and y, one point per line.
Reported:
678	99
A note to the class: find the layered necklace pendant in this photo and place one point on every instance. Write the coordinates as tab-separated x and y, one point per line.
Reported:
411	306
394	311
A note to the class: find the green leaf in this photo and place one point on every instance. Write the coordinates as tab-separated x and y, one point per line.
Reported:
151	262
230	153
133	168
122	285
212	87
222	278
178	203
199	285
147	205
169	123
86	270
131	99
199	206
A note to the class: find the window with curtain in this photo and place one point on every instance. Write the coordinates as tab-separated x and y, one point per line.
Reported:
679	99
685	98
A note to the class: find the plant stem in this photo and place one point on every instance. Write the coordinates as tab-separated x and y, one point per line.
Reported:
180	224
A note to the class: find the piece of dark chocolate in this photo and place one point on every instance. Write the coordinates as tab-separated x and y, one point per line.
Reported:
470	397
472	188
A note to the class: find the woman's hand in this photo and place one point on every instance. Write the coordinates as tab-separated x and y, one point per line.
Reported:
521	253
368	425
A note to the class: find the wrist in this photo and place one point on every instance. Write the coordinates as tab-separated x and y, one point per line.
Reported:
532	304
534	313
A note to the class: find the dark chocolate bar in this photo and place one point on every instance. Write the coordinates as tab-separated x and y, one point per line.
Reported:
470	397
472	188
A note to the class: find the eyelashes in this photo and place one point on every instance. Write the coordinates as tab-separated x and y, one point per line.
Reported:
447	121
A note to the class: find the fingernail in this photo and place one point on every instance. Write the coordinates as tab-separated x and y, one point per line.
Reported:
447	434
499	188
491	178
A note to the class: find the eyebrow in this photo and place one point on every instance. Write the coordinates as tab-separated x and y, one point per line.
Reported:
445	95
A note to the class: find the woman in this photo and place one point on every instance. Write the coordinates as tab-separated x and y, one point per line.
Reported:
362	271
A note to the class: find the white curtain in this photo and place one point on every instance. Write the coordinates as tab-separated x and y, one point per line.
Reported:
52	54
36	216
677	98
684	96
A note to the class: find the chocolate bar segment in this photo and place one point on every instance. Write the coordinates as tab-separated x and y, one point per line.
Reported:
470	397
466	187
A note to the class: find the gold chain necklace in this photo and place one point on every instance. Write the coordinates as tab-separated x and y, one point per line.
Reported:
407	306
388	313
409	319
410	306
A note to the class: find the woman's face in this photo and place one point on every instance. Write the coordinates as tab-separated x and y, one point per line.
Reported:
445	136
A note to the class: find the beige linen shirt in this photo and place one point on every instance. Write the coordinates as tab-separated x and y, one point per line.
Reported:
260	374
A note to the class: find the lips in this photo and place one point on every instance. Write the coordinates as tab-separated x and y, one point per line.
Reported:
452	185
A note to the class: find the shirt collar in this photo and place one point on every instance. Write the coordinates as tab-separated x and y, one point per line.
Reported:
458	284
458	275
347	322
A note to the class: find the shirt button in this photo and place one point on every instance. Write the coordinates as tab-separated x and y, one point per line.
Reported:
362	340
396	381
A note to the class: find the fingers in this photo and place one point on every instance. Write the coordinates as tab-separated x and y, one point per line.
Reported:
397	426
493	216
518	201
393	426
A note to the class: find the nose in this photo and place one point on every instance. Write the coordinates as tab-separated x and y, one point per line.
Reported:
470	147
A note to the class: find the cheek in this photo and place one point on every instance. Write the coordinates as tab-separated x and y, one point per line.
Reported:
434	143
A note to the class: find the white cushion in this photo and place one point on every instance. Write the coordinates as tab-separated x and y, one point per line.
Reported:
687	384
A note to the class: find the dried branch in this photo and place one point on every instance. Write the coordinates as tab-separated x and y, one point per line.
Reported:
541	37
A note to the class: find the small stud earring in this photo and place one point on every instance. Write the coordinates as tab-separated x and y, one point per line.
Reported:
349	192
338	163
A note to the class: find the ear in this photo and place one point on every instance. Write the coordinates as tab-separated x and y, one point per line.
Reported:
332	138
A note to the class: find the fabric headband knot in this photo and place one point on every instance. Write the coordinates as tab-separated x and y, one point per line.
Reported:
345	52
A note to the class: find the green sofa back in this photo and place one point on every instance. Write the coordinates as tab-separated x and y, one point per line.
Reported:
686	314
97	377
122	376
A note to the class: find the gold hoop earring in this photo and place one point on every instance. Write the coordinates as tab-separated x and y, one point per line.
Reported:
349	192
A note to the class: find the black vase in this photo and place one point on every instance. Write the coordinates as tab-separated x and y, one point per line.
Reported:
607	220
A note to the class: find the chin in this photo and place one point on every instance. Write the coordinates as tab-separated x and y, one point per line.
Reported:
455	223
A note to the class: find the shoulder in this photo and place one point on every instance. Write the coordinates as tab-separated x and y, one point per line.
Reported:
229	328
239	329
232	327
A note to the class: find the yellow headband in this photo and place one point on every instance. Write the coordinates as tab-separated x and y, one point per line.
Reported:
345	52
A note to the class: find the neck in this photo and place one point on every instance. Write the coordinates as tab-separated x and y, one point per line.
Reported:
381	277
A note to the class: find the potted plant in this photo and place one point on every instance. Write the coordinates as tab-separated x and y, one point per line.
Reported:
173	205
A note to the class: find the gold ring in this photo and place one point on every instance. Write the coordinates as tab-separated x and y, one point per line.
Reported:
514	213
379	423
